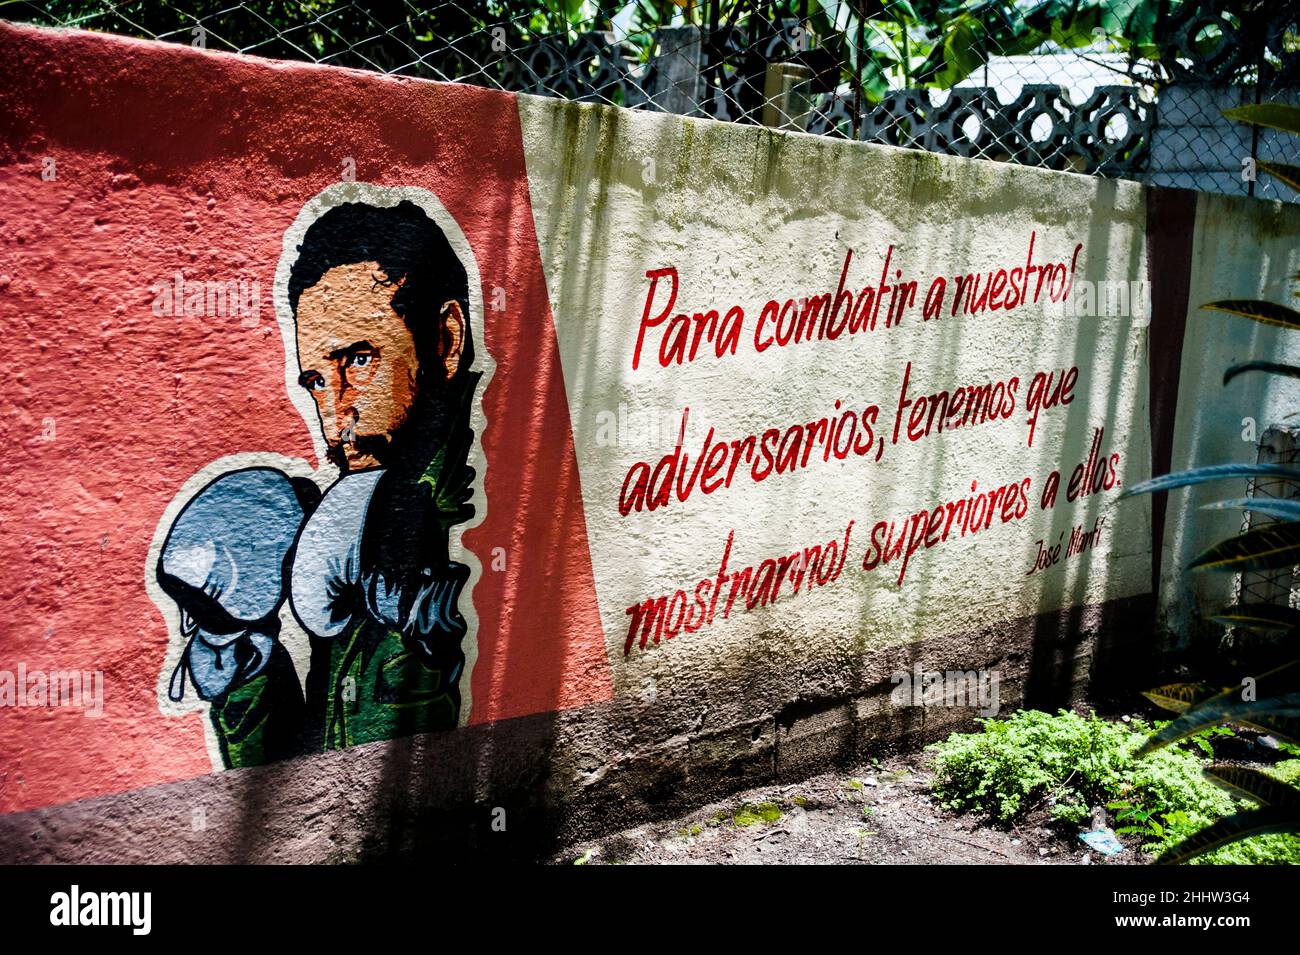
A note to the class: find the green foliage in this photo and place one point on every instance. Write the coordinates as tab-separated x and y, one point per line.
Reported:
941	42
1141	821
881	44
1069	764
1278	798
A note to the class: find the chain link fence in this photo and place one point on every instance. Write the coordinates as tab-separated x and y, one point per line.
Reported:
1128	88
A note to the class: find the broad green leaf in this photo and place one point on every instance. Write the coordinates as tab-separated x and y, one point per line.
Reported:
1266	313
964	52
930	70
1249	822
1275	693
882	44
1252	784
1179	697
1260	548
1271	367
1211	713
1139	19
1282	508
1285	171
1259	617
1281	116
1212	472
902	5
899	10
1286	727
1229	706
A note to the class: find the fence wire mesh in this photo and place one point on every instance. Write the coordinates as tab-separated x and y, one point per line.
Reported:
1129	88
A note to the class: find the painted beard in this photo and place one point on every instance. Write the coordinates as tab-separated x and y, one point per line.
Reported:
376	446
384	448
408	446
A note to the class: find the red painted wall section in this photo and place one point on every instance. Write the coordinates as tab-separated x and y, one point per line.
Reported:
171	159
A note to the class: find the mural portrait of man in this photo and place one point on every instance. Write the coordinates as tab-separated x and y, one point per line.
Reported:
381	345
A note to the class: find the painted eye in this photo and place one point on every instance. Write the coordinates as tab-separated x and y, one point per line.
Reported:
360	360
312	380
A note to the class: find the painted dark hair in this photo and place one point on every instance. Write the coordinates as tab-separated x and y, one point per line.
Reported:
411	250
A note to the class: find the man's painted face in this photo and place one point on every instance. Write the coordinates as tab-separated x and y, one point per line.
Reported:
358	361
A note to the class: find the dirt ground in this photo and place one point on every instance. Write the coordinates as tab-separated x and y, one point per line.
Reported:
877	814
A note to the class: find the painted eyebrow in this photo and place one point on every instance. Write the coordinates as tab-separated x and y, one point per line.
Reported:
351	350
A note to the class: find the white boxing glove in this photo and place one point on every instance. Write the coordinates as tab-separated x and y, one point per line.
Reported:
324	590
330	588
222	563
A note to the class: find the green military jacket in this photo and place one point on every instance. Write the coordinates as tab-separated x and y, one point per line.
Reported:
364	686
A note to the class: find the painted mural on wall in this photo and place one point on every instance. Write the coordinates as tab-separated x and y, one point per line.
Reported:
375	304
278	500
559	406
